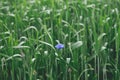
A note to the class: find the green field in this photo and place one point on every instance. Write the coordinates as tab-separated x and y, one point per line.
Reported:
88	31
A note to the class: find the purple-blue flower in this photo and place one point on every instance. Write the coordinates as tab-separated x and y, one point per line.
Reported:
59	46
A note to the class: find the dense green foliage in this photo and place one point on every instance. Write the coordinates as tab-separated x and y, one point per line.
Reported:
89	30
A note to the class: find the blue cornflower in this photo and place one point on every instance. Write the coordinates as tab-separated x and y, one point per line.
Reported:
59	46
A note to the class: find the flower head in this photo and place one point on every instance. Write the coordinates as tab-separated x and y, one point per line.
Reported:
59	46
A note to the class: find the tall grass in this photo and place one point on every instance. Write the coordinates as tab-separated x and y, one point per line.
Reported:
89	30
